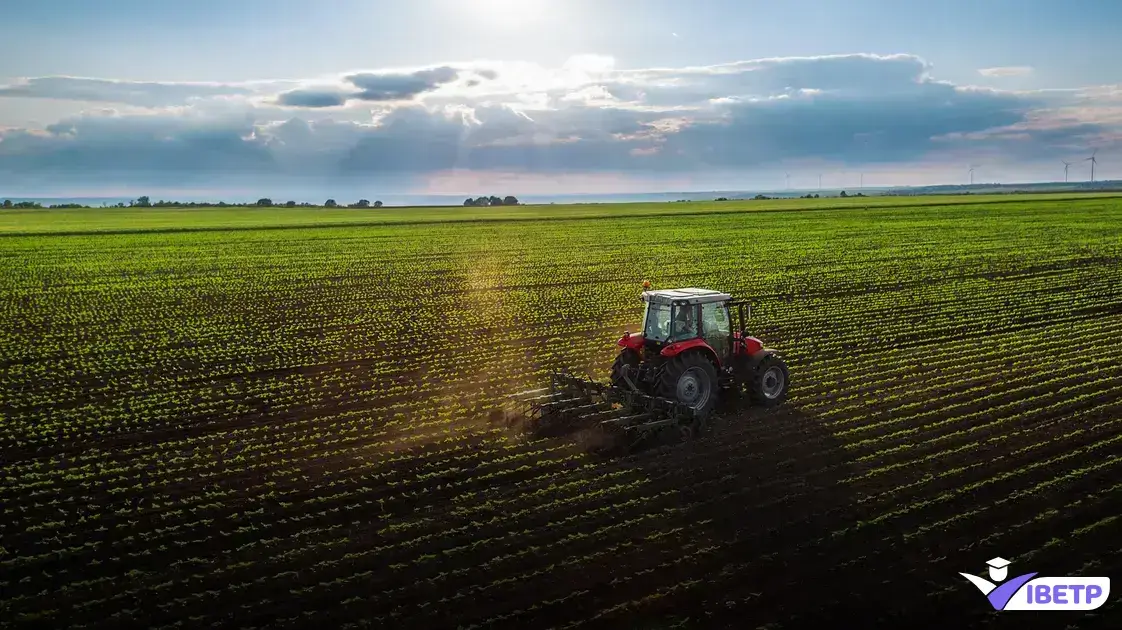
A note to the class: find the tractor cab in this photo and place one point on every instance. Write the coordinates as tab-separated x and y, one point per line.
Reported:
673	316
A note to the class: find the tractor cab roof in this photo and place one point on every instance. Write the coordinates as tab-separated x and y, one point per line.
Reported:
685	296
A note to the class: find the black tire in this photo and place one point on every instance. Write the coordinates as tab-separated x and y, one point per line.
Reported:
627	358
689	372
770	382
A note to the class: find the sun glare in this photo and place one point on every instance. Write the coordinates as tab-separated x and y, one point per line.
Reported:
507	12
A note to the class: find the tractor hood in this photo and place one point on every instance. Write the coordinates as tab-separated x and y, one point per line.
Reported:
631	340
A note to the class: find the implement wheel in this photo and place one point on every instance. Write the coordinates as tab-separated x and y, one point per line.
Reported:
691	380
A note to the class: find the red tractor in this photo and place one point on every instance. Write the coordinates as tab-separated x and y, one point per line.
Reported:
689	352
670	375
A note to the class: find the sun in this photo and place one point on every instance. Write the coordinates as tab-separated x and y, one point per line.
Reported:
507	12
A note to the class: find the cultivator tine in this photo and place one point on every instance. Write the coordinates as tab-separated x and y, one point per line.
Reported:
625	422
573	402
565	398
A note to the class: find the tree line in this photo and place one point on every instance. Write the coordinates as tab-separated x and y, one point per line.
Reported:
8	205
264	202
493	200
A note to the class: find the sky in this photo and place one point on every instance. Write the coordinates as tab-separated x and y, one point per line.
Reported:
538	97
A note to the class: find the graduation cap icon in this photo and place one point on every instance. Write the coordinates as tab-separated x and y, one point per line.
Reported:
999	569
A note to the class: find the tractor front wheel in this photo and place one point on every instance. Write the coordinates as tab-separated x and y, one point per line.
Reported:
691	379
769	384
626	363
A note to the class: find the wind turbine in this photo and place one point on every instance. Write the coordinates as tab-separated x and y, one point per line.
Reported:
820	182
788	180
1093	161
1067	165
972	174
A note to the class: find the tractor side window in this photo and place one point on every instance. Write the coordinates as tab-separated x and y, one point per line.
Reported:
656	323
715	319
715	328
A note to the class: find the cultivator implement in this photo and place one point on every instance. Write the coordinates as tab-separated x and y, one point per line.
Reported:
626	415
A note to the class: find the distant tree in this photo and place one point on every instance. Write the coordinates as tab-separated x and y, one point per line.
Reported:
494	201
290	204
330	203
510	200
142	202
265	202
843	194
816	195
377	204
482	201
469	202
721	199
362	203
760	197
7	203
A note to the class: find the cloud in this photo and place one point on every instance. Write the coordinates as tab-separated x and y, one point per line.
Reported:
143	94
895	125
392	87
590	63
377	87
586	116
312	98
591	95
1006	71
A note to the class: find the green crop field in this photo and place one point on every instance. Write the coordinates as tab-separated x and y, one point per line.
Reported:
274	417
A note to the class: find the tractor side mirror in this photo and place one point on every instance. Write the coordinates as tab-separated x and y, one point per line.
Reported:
740	311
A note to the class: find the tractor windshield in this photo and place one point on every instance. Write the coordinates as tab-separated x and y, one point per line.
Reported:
656	322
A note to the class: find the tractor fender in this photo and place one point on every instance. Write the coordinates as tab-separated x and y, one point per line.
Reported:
679	347
634	341
758	356
747	345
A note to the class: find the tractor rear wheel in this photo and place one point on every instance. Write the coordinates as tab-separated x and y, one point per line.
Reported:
627	361
691	379
769	384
